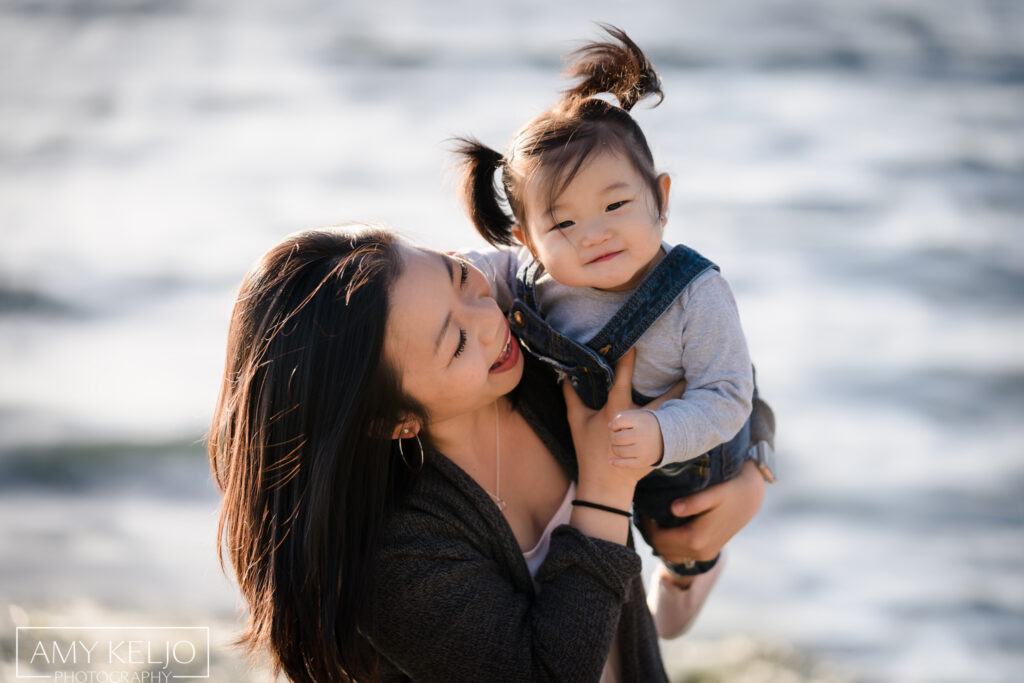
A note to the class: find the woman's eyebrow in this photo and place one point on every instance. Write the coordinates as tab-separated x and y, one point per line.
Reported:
448	318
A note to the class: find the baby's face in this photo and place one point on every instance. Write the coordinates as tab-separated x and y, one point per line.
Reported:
603	231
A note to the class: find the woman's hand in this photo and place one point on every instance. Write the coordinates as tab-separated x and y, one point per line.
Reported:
592	437
599	481
602	479
722	510
636	433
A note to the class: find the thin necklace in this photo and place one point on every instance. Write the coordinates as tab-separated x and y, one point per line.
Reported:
497	450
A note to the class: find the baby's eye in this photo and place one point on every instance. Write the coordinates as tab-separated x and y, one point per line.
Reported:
465	273
563	225
616	205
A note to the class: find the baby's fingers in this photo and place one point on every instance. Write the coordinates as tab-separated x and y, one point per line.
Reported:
627	456
623	437
626	419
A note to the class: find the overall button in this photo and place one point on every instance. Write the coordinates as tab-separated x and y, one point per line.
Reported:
517	318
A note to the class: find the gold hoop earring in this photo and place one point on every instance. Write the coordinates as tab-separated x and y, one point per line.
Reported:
402	452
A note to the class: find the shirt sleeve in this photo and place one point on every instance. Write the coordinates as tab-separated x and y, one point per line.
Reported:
448	611
499	266
719	376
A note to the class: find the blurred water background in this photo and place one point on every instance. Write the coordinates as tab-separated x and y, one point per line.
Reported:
856	167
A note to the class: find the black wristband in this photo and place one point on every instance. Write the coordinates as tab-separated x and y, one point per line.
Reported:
606	508
692	568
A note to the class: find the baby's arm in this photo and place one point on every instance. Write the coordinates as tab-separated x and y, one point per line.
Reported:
719	377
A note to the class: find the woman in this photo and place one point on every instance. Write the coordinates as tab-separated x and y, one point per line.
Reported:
355	360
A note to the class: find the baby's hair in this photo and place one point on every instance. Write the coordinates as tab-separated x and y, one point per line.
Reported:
561	139
620	69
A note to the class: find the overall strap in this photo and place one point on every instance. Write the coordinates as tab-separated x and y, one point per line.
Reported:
526	283
649	301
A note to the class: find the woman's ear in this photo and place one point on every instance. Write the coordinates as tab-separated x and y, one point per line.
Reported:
664	185
406	429
521	237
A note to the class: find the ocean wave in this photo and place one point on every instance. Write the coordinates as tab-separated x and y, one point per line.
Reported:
968	399
961	278
16	300
175	469
97	8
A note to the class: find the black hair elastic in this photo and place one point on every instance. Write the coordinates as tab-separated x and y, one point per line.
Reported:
606	508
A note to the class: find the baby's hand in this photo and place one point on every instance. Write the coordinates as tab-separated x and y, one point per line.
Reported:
636	439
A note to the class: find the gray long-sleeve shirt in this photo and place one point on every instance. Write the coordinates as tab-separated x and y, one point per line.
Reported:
699	338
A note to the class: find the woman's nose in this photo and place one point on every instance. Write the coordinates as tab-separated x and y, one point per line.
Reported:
490	318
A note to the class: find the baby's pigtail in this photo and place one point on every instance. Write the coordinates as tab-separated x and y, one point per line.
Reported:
480	192
618	68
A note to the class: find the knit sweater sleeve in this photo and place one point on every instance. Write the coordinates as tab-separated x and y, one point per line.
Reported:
719	377
452	606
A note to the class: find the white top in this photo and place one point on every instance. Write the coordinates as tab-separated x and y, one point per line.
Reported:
535	555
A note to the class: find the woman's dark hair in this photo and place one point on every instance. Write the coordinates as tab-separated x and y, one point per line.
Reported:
561	139
301	447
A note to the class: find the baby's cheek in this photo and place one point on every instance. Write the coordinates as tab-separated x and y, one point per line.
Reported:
556	262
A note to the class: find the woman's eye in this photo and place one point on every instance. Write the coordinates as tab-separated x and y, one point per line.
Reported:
615	205
465	273
462	344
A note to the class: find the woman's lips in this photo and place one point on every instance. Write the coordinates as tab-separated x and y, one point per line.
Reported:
509	354
606	257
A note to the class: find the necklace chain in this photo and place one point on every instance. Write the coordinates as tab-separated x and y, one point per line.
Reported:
497	457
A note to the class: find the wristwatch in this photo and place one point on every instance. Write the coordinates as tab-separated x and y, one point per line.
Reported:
764	457
691	567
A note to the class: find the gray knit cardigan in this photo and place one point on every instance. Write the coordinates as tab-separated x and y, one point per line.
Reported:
455	600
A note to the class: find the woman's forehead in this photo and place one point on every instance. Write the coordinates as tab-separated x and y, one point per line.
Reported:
421	263
418	305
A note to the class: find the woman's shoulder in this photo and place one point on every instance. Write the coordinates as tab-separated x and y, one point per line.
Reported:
443	516
438	501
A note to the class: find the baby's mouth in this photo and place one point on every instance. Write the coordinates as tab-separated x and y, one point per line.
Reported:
605	257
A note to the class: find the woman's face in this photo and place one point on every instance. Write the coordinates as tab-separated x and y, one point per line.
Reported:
447	337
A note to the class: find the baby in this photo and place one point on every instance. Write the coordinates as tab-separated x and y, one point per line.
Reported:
595	278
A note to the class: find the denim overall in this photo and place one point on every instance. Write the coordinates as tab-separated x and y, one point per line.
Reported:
588	368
